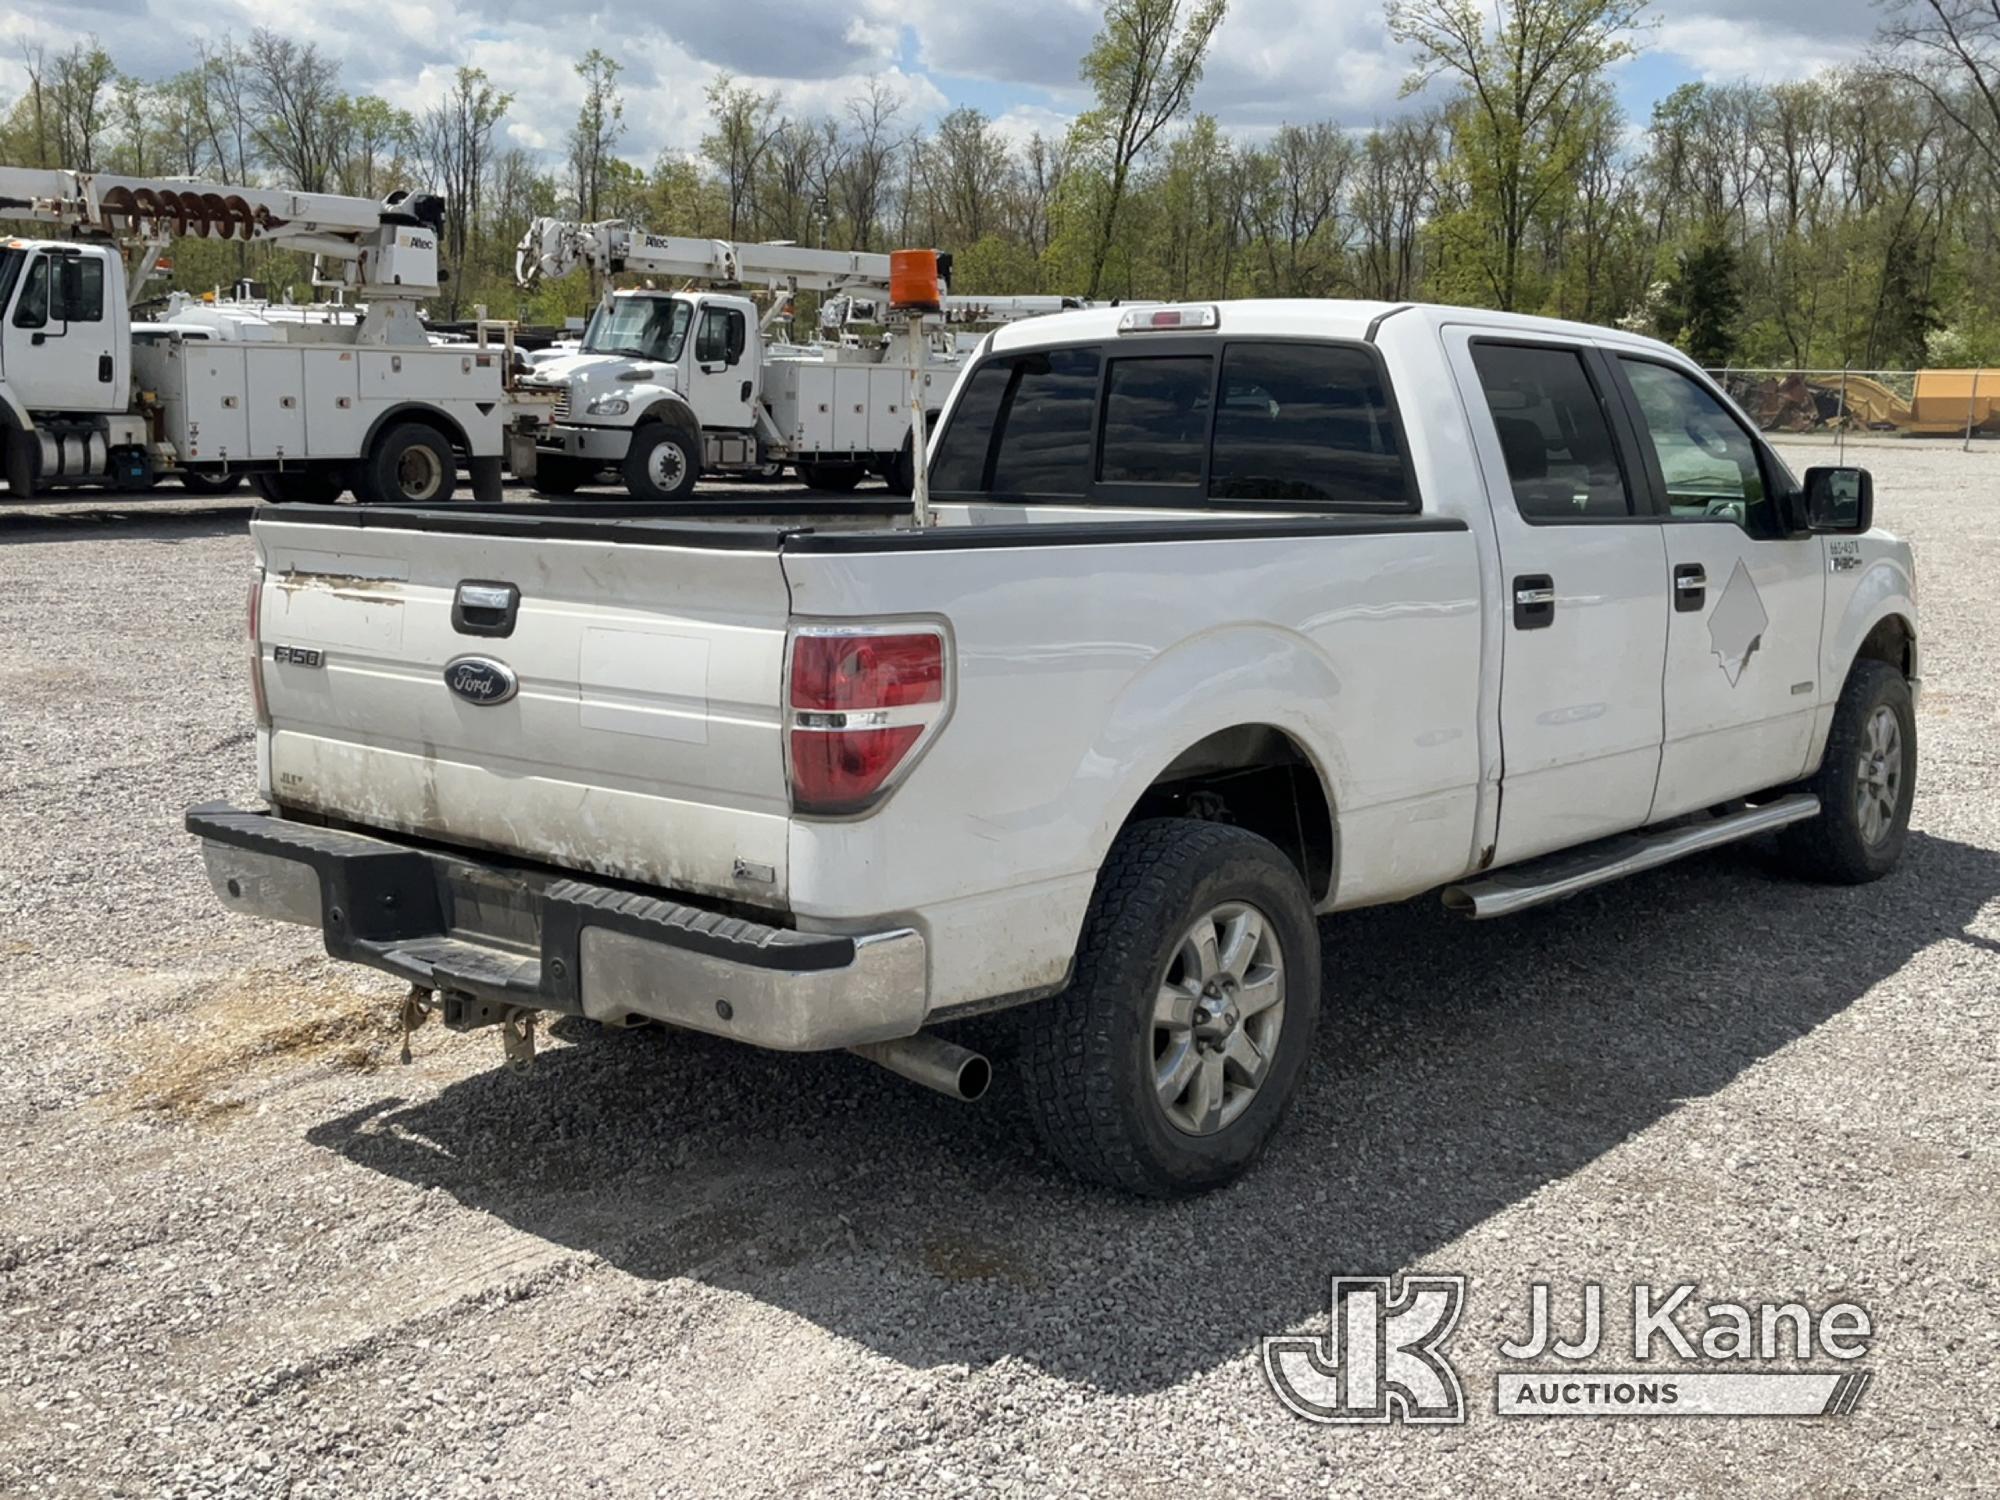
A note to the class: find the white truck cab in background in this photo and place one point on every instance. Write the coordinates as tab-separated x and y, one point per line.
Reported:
1228	616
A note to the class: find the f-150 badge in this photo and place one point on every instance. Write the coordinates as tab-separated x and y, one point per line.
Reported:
1736	624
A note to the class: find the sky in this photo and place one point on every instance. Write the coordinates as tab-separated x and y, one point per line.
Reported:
1273	61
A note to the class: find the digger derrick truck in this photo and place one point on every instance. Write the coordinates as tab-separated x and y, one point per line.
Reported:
310	412
671	384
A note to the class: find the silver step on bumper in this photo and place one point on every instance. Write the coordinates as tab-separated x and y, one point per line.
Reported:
1536	881
536	940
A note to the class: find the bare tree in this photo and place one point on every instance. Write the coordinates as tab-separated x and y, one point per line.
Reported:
599	123
745	126
455	140
868	162
298	123
1950	49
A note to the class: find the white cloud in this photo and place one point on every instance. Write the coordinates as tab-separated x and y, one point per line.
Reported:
1720	50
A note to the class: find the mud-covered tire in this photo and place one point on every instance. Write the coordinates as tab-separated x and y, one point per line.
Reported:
661	464
410	464
559	476
837	477
1871	753
1093	1059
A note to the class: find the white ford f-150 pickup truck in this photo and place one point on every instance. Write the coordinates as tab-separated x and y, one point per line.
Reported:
1224	616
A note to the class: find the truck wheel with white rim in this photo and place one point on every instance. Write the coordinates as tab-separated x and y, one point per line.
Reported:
1169	1061
841	477
1865	783
300	486
660	464
410	462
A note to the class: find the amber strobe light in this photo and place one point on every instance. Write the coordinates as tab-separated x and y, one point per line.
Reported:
913	281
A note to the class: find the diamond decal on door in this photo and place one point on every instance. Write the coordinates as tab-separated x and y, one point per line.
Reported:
1736	624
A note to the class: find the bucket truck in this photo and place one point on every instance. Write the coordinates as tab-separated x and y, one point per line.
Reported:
307	410
671	384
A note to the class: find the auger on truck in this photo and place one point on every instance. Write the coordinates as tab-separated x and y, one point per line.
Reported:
671	384
317	409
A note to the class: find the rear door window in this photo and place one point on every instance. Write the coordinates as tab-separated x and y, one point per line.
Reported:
1022	427
1561	461
1305	422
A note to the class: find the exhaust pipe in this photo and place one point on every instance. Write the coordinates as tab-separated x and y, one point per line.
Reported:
933	1062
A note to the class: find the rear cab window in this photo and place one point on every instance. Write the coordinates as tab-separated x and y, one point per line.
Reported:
1253	423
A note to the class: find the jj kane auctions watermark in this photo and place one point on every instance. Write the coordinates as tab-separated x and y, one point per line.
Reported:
1384	1357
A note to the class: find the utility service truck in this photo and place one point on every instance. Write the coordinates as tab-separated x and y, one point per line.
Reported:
307	409
669	384
1225	616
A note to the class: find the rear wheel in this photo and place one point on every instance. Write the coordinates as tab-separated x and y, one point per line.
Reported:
20	461
559	476
409	463
840	477
901	475
211	484
300	487
660	464
1167	1064
1864	783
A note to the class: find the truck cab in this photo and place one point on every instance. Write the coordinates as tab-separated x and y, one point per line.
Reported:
685	363
64	341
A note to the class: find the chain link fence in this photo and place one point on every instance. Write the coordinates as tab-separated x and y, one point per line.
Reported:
1941	404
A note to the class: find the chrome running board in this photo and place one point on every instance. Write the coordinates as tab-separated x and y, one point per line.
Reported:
1555	876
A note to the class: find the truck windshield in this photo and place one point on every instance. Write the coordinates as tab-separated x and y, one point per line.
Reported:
650	327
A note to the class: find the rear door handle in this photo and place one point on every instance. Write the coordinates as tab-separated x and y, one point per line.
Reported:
1534	601
1690	587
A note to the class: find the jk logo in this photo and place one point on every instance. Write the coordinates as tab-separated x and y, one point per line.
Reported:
1380	1361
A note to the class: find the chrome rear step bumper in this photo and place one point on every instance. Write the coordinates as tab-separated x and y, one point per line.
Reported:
520	938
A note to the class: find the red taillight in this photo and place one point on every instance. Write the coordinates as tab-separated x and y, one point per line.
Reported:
847	672
257	703
861	701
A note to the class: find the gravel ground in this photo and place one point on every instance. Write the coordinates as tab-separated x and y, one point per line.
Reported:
242	1251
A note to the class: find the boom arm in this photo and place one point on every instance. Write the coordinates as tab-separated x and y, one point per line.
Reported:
392	243
554	248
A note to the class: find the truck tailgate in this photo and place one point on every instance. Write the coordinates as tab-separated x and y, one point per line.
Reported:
643	741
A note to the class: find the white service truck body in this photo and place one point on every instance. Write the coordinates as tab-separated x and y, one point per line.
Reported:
1229	615
307	408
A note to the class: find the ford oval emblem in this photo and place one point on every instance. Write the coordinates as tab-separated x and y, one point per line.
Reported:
481	679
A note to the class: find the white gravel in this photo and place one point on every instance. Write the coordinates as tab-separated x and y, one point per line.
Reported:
242	1252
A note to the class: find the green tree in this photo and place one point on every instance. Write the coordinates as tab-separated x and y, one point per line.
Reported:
1527	85
1700	303
1142	66
600	121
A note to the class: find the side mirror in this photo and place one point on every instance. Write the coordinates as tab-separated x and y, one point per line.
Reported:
1839	500
735	339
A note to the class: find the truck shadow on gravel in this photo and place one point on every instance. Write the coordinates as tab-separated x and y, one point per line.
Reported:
1459	1069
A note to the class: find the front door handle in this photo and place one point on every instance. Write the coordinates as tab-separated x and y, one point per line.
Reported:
1534	601
104	369
1690	587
